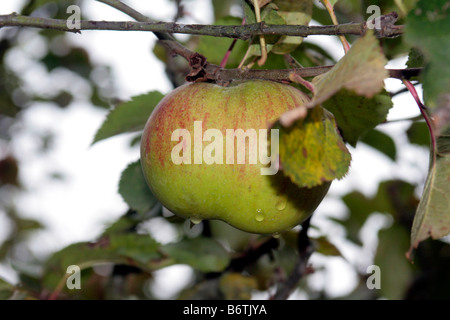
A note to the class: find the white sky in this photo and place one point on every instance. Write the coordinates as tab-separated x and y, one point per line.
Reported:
77	209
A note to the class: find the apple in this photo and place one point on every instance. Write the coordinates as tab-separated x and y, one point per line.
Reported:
205	155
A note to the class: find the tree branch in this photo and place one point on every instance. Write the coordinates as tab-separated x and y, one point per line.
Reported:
305	249
201	69
161	29
225	75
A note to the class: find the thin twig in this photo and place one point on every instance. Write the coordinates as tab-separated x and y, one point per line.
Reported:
402	90
330	10
262	40
252	255
423	111
291	61
224	61
415	118
305	249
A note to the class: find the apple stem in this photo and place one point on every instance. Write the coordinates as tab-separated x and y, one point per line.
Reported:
296	78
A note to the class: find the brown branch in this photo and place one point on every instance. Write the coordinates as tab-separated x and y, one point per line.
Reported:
205	70
243	32
305	249
217	74
252	254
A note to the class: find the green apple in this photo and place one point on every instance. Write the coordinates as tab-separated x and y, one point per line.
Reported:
205	155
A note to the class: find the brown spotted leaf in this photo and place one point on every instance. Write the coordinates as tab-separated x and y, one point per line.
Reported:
312	151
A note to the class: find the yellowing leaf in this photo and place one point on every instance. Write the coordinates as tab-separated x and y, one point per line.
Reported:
312	151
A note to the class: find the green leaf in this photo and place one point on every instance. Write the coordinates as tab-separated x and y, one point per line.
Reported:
214	48
129	116
134	189
381	142
394	197
432	218
203	254
415	59
294	12
60	11
249	13
361	70
312	151
419	134
360	207
396	270
221	8
140	248
310	55
270	16
397	198
356	115
236	286
325	247
125	248
427	28
405	5
6	290
128	222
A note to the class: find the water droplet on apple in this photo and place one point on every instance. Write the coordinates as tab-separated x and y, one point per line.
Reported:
281	203
276	235
259	215
196	220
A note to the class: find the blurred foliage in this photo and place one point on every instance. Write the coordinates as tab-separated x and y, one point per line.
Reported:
123	261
